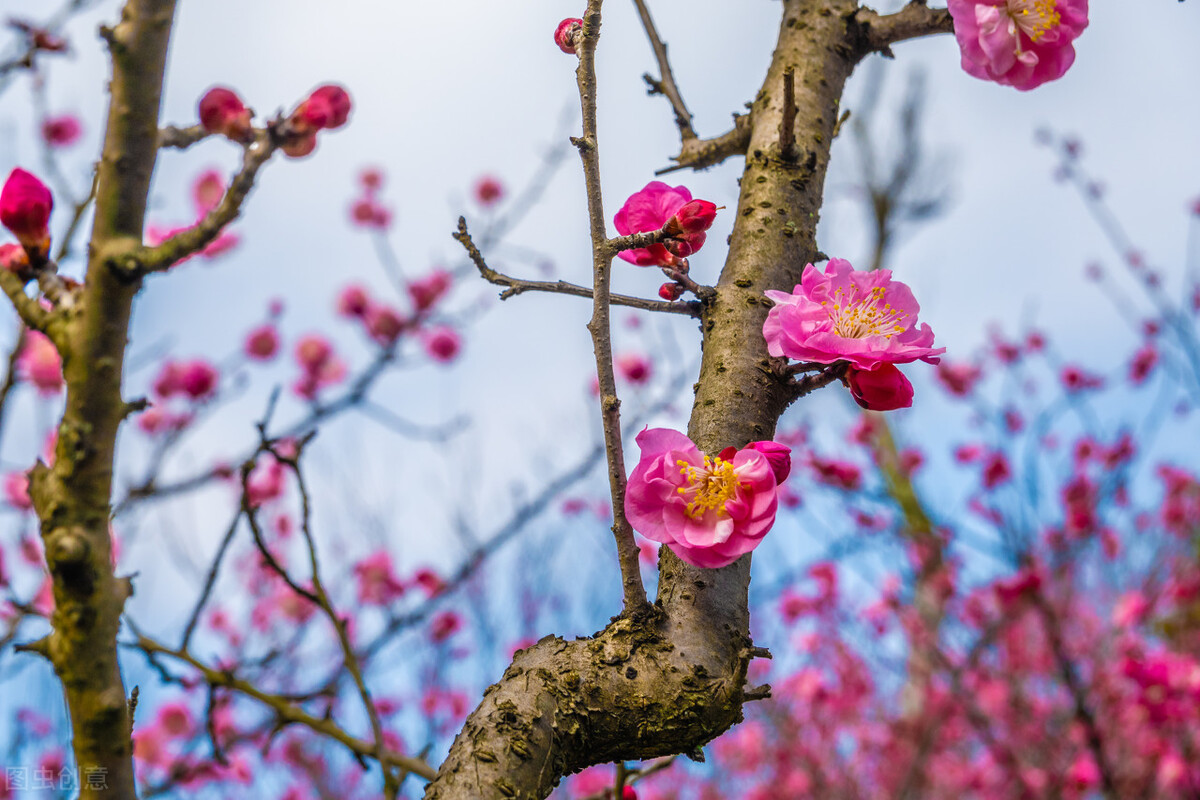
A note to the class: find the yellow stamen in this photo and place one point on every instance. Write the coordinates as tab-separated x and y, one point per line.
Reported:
1035	17
856	316
709	486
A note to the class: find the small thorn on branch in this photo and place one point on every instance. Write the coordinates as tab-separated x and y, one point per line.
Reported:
758	692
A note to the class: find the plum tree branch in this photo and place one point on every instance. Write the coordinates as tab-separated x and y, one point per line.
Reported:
878	32
516	286
600	325
665	85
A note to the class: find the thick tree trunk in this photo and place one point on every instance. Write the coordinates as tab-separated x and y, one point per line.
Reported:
671	679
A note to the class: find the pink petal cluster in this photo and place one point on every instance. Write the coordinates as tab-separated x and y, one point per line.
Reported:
319	366
865	318
25	206
196	379
708	510
650	210
1018	43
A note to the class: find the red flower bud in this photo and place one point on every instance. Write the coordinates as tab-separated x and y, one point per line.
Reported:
670	291
222	112
567	34
327	107
881	389
25	206
695	216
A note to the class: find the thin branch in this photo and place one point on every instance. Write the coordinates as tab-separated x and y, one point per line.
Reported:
516	286
181	138
30	311
697	154
210	580
287	711
391	785
599	326
665	85
809	384
193	240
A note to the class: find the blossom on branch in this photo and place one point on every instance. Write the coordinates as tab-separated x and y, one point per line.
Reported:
61	131
865	318
657	206
709	510
1018	43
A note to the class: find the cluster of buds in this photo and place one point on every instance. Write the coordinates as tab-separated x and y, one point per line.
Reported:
328	107
687	229
222	112
25	206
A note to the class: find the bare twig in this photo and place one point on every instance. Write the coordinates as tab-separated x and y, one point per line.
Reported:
181	138
665	85
516	286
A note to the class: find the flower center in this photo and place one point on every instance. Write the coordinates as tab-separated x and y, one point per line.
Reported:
856	316
1035	17
709	486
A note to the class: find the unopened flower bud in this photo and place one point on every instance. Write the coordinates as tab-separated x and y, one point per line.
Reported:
25	206
222	112
300	146
567	34
327	107
670	291
695	216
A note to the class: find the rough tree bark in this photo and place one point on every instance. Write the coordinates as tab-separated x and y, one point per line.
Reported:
669	679
72	496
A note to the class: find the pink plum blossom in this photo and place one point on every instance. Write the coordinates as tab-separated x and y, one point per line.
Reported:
488	191
61	131
262	343
377	581
40	364
649	210
441	343
709	510
634	368
1018	43
425	292
16	491
865	318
